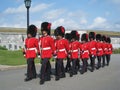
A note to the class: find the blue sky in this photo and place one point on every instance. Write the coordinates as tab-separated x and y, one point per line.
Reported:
72	14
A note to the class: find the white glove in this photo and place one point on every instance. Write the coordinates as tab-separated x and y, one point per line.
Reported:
39	56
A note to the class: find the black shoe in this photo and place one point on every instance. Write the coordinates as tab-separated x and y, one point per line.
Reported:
63	76
71	75
27	79
41	82
57	78
82	72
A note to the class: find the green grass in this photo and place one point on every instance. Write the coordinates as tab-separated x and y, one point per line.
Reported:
13	58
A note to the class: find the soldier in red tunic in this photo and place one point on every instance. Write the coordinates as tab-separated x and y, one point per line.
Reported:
47	49
109	52
92	49
104	47
99	50
84	52
62	49
68	65
31	48
74	49
78	60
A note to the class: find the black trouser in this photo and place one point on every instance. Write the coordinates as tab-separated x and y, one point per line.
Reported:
31	70
45	69
68	65
73	68
103	60
59	68
99	62
92	63
84	66
108	59
77	64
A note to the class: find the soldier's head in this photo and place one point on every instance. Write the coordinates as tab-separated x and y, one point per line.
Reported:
104	38
45	28
68	36
32	31
59	31
91	35
98	37
74	35
84	37
108	40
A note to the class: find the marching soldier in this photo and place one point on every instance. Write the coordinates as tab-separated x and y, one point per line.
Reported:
47	48
74	49
92	49
62	48
110	48
78	60
99	50
104	47
68	65
84	52
31	47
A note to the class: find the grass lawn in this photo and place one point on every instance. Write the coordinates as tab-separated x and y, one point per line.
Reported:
13	58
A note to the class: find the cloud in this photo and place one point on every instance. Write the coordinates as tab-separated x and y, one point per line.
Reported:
22	9
53	14
99	23
115	1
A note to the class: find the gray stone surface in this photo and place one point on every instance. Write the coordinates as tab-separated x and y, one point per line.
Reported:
107	78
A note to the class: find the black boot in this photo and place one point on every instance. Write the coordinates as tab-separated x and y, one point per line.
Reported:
27	79
42	82
57	78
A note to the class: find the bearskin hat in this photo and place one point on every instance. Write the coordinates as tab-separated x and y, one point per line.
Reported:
92	35
67	36
84	37
104	38
108	40
46	26
78	37
74	34
32	29
98	37
59	31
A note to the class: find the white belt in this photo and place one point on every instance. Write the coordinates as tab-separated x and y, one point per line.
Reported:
109	48
31	48
61	50
47	48
93	48
74	50
105	49
100	49
85	51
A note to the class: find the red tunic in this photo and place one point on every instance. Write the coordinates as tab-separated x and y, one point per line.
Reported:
99	49
47	46
62	47
109	47
74	49
104	47
84	50
31	45
92	47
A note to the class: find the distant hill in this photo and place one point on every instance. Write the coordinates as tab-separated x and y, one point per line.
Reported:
23	30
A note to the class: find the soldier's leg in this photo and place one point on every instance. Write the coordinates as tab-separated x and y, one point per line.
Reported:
77	64
99	62
48	70
92	63
83	66
57	69
29	70
108	59
43	70
86	64
103	60
34	69
62	68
